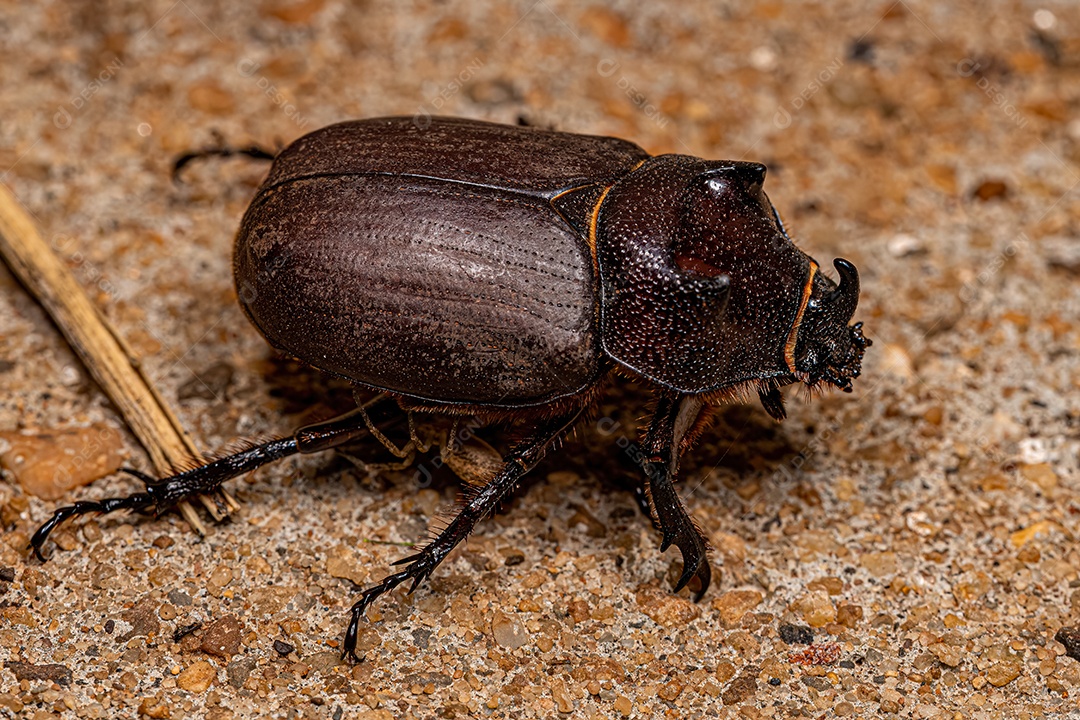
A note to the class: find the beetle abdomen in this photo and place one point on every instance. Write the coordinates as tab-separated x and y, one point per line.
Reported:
425	288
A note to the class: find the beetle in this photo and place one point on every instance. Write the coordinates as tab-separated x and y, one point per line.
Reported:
470	268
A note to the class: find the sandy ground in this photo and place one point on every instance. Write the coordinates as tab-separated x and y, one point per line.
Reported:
907	549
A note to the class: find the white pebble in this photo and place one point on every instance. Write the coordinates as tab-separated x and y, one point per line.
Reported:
904	244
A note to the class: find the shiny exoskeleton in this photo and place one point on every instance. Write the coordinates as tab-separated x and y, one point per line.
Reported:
463	267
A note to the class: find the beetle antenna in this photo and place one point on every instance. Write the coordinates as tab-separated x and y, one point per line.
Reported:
255	152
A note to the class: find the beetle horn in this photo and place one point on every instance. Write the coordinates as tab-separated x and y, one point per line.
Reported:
845	297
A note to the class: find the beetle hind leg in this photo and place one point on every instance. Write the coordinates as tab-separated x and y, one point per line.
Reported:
162	494
206	479
479	505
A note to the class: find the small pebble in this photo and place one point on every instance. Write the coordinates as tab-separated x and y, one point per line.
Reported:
154	708
733	604
222	637
891	700
179	597
561	696
950	655
1041	474
880	564
724	671
237	672
670	690
796	634
508	632
219	579
849	615
578	610
1002	673
815	608
162	542
990	189
1070	638
903	245
50	463
824	654
197	677
666	609
742	687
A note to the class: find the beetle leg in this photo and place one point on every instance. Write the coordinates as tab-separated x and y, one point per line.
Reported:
675	416
637	486
206	479
371	467
641	496
472	459
418	444
524	456
406	452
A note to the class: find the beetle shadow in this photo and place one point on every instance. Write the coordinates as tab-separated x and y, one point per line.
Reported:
308	395
742	443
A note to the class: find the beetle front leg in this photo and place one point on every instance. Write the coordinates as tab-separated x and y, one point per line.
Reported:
675	417
524	456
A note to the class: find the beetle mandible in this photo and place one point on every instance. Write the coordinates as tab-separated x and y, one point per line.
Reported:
470	268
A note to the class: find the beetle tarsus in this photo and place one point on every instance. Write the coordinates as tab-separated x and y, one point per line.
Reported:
207	479
421	565
167	492
138	501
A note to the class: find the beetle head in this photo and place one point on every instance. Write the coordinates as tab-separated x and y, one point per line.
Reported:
826	348
702	290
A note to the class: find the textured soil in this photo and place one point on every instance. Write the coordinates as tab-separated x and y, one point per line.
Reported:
907	550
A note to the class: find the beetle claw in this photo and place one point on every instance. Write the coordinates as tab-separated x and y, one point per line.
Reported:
669	538
420	567
137	501
679	530
695	567
695	561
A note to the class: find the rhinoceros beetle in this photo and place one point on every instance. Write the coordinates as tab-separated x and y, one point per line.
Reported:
470	268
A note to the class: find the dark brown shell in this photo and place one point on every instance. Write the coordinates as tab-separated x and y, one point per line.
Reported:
461	262
431	263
